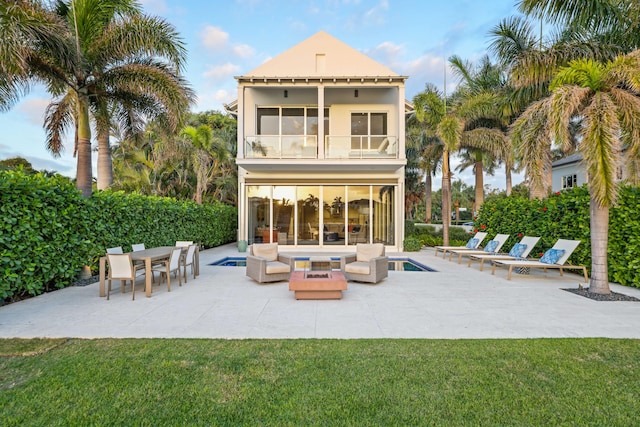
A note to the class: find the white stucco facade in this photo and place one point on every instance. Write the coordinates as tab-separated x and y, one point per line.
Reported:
321	149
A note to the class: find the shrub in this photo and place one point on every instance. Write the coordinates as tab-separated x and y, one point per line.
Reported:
565	215
44	233
48	232
409	227
412	244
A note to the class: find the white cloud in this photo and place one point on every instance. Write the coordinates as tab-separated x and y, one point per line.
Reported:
225	96
386	52
34	109
158	7
214	37
376	15
243	51
221	72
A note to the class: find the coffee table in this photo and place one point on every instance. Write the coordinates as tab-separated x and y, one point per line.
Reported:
317	284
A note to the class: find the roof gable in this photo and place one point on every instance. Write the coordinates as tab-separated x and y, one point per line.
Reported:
321	55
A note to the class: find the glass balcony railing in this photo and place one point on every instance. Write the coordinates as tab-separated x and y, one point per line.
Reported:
336	147
281	146
361	147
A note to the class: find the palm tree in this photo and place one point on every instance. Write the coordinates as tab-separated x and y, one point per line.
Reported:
99	56
531	62
606	97
450	128
482	95
208	153
608	22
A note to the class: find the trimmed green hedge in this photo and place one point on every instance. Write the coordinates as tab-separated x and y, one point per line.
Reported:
48	232
565	215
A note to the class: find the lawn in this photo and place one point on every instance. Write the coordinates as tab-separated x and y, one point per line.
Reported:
319	382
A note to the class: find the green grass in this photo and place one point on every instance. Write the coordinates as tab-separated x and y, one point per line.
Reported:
320	382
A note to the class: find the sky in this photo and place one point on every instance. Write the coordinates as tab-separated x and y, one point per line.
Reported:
232	37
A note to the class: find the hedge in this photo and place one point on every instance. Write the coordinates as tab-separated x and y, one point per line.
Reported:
565	215
48	232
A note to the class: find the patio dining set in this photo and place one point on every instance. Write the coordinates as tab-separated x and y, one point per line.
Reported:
165	260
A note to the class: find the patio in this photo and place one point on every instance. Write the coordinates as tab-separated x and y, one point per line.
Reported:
454	302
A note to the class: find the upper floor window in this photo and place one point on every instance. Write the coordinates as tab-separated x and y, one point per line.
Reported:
289	121
569	181
368	131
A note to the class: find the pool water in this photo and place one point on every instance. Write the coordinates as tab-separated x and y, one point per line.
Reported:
395	264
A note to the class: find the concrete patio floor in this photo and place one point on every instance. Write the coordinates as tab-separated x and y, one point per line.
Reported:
454	302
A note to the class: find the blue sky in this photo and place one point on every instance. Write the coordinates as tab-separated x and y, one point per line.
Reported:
229	38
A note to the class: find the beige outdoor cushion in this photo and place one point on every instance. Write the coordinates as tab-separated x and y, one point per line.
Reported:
358	267
366	252
268	251
274	267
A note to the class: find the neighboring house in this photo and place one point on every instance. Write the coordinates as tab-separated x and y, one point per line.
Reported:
321	149
569	172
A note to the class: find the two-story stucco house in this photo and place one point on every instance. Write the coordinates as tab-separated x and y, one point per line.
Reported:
321	149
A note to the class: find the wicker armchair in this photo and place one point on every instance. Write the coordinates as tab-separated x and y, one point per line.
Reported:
265	264
368	264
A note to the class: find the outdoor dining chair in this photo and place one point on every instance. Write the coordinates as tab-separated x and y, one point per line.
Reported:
183	243
170	266
137	247
116	250
121	268
188	259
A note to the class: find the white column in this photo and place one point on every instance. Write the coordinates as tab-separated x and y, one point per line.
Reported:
321	138
240	116
401	123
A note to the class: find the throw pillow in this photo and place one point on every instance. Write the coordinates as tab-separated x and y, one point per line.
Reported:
491	246
472	243
517	250
552	256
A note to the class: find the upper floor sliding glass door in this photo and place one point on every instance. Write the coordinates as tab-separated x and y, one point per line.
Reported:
286	132
368	132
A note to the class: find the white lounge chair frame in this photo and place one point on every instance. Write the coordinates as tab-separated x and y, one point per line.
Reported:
568	245
501	238
480	235
530	241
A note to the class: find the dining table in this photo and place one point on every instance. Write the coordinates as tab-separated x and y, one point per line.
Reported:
149	256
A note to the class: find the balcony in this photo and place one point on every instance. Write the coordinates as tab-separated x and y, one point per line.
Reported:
281	147
336	147
361	147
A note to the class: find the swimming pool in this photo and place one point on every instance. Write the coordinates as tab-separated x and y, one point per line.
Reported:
395	264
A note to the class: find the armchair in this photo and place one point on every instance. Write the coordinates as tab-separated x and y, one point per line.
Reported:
368	264
265	264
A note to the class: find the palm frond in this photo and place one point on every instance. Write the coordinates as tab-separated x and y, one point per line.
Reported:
601	148
59	118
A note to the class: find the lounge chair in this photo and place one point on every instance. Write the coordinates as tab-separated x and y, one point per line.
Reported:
473	243
491	248
529	243
553	258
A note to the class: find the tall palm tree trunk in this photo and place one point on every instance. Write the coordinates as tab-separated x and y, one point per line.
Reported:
509	183
599	243
105	167
83	173
446	197
428	198
479	183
